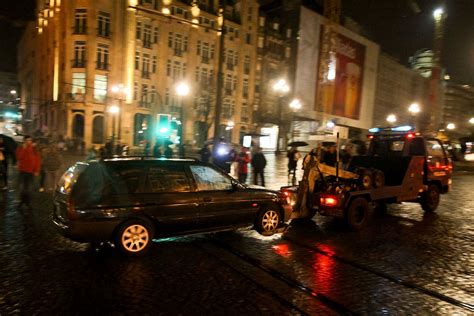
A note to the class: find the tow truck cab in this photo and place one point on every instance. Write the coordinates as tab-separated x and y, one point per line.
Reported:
391	150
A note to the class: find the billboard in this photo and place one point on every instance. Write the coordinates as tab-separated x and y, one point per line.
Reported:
340	93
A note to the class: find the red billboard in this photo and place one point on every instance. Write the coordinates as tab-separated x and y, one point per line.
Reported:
342	89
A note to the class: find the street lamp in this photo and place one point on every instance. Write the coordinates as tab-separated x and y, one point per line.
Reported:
450	126
391	118
182	90
282	88
295	105
13	92
122	93
471	120
414	109
438	13
114	110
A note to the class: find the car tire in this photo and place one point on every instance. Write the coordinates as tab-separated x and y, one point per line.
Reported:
134	237
268	220
430	198
358	213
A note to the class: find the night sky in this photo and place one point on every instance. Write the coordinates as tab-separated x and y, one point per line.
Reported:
400	26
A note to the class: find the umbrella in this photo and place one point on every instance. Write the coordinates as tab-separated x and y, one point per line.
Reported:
298	144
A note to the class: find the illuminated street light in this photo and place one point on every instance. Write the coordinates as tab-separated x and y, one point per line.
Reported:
113	109
451	126
295	104
471	120
438	13
13	92
414	108
391	118
182	89
281	86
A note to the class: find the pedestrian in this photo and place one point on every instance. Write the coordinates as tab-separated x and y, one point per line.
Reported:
29	163
346	156
168	152
243	160
7	151
118	149
156	150
258	165
182	150
43	152
293	157
205	153
330	156
109	148
51	164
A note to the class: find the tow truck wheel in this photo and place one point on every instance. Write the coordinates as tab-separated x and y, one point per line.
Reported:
378	178
358	213
365	178
430	199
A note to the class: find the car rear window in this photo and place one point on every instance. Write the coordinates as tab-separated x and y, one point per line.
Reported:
70	177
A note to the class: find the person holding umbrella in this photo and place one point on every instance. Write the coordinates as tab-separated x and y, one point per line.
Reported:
293	156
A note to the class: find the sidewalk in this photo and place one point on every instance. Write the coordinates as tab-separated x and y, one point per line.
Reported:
463	166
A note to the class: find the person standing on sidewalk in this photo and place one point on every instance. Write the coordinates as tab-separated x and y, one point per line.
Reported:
28	163
7	148
258	165
293	156
51	164
243	160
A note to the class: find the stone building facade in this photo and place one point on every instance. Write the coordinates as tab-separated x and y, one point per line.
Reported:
90	69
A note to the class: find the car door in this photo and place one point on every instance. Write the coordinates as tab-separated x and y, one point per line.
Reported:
437	162
169	197
223	203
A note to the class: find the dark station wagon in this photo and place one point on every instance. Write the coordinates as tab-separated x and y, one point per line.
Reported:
131	201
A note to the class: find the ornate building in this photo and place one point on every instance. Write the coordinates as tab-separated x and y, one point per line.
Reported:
92	69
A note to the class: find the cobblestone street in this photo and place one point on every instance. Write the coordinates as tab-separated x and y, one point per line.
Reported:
406	262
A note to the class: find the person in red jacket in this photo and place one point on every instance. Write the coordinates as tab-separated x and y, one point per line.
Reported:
28	164
243	159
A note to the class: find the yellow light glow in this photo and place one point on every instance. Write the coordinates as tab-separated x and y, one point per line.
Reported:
195	9
166	11
51	13
58	3
45	23
133	3
195	22
40	30
51	3
166	2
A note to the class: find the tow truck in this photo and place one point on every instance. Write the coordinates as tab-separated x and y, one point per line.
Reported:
400	166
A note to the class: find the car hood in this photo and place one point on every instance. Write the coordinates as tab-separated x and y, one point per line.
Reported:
260	189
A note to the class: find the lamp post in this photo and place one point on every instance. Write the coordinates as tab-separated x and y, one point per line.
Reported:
295	105
450	126
281	87
391	118
114	111
182	90
121	91
414	109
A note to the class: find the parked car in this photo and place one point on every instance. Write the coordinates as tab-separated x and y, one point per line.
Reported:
131	201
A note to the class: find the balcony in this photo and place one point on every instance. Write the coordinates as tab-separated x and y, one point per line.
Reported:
79	30
78	63
102	66
78	97
205	59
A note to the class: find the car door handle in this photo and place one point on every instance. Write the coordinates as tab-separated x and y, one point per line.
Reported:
207	199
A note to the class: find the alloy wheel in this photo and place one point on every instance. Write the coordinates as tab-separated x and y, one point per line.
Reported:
135	238
270	220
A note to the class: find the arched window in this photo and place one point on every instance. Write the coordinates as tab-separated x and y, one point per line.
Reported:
98	130
78	126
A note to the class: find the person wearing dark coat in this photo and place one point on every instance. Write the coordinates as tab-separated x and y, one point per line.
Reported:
330	157
156	150
8	149
168	153
258	163
205	153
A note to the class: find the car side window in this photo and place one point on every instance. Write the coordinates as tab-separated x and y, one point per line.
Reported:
124	178
209	179
167	179
417	147
434	149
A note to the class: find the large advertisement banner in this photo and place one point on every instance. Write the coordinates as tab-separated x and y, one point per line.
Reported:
342	89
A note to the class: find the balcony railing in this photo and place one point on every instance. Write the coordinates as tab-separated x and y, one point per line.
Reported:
230	66
178	52
146	44
205	59
78	63
79	30
102	66
146	74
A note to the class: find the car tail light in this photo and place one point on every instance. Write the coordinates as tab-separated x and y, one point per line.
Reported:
329	200
285	196
410	135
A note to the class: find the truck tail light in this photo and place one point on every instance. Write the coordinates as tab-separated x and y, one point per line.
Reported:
410	135
329	200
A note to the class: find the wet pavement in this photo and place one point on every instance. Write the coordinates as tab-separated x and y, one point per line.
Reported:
405	262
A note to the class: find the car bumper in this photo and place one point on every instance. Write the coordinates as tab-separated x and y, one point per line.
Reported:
86	231
287	210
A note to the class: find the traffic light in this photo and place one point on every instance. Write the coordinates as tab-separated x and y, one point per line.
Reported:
164	125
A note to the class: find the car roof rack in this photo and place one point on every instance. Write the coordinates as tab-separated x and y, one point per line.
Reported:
393	130
142	157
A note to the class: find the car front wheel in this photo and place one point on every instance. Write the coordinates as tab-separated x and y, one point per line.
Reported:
134	237
430	198
268	220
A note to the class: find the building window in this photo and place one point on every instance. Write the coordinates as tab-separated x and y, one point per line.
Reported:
147	36
246	65
138	31
137	60
156	35
168	68
80	21
100	88
153	67
287	52
245	88
78	86
146	66
260	42
103	24
98	130
103	57
135	90
276	26
228	85
248	38
288	33
79	60
261	21
144	98
170	39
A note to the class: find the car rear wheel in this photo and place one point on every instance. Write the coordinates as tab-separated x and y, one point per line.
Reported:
430	199
268	220
358	213
134	237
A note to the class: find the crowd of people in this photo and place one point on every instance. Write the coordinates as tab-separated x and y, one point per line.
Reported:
33	159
